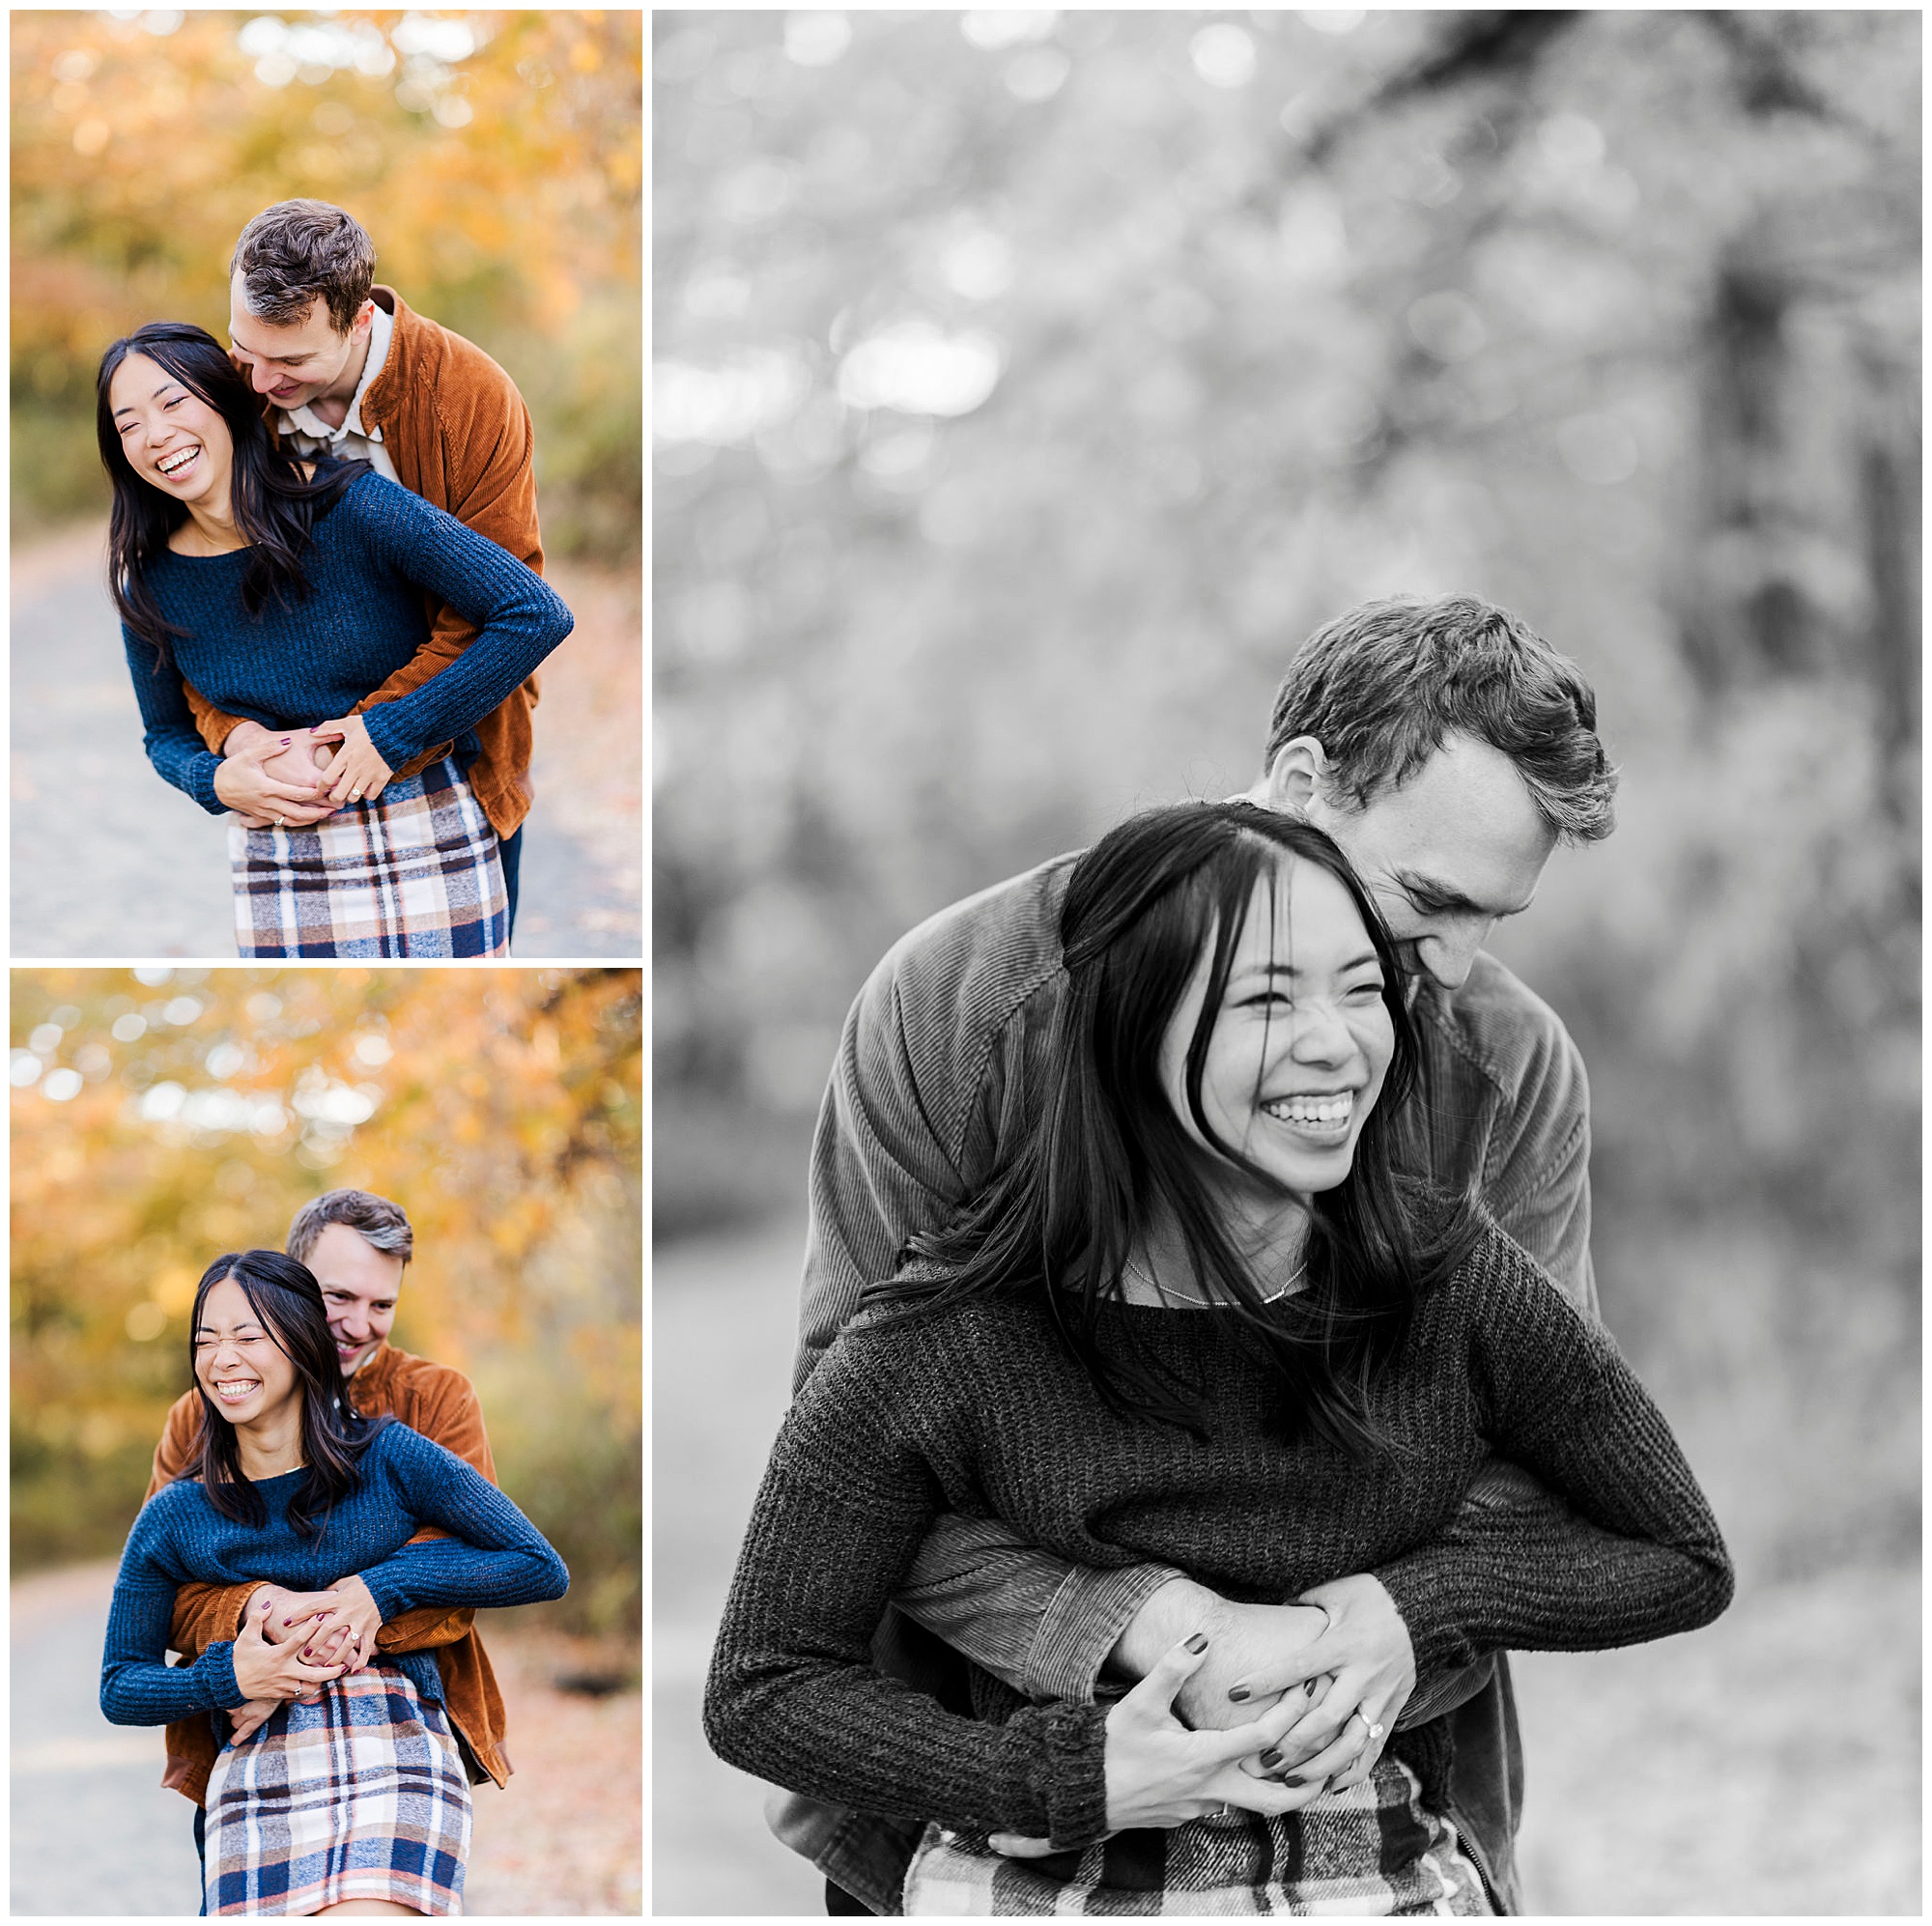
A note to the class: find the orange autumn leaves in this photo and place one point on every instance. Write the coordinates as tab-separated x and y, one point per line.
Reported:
162	1118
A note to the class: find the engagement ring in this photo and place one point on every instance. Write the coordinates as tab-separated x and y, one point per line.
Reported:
279	821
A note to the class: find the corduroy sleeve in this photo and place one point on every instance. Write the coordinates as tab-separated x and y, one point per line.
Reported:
1640	1558
448	1412
493	1555
793	1696
931	1055
488	448
518	618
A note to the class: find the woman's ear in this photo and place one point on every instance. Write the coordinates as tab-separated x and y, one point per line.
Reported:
1297	777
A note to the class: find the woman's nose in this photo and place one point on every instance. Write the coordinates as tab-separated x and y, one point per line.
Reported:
1320	1036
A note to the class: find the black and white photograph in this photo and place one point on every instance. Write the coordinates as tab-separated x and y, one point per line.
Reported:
1285	900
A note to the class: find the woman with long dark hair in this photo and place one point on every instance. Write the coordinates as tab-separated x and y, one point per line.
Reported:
1200	1320
288	594
353	1799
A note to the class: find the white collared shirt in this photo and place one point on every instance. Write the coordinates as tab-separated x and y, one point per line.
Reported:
308	435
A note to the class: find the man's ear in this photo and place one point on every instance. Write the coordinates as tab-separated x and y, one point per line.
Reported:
365	315
1297	777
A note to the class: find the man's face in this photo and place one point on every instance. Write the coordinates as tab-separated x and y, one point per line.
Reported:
359	1285
292	362
1458	846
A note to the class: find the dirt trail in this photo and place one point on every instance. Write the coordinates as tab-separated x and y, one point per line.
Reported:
109	861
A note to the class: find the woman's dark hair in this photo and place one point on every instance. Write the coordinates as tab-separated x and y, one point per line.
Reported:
287	1300
1060	1217
274	508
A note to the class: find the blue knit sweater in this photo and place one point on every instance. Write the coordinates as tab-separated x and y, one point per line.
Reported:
494	1556
370	559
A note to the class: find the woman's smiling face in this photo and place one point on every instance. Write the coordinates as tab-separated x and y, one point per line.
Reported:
172	438
244	1372
1300	1044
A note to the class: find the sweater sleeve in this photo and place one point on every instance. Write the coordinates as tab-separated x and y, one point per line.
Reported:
137	1686
793	1696
1640	1556
169	735
493	1556
519	618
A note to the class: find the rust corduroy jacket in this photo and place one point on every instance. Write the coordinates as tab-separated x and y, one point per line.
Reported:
440	1403
460	436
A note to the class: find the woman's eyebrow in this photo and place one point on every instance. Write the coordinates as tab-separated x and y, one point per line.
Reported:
1366	957
156	396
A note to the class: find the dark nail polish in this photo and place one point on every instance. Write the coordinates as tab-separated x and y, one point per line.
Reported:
1272	1756
1198	1643
1288	1779
1238	1692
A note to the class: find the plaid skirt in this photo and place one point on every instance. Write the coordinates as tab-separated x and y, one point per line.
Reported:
360	1796
1374	1851
414	874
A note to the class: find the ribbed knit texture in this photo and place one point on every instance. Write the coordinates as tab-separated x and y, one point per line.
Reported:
981	1409
369	562
494	1556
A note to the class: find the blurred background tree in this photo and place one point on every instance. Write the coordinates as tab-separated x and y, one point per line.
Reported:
162	1117
1030	385
494	156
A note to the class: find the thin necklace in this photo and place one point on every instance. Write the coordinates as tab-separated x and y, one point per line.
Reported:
1160	1291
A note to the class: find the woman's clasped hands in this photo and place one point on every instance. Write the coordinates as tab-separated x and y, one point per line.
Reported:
1161	1772
273	780
294	1643
358	772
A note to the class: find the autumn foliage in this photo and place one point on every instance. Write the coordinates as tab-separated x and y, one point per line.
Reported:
163	1116
496	159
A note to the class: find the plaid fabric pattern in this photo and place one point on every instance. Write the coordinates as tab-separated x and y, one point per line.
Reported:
360	1796
414	874
1375	1852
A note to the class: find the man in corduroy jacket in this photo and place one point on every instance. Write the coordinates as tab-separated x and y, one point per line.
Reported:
347	368
358	1245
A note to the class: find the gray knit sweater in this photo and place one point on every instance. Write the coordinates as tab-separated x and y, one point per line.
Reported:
981	1409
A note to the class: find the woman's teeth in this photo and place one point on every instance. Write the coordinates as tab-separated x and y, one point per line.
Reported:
241	1388
173	466
1317	1115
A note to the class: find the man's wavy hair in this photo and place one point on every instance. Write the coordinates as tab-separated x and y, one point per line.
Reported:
1381	685
300	251
1143	908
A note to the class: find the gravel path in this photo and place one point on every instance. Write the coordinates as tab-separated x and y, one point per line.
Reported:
110	862
1768	1765
93	1832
